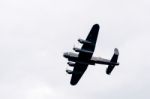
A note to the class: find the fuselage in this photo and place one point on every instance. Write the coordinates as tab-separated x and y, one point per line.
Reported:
74	58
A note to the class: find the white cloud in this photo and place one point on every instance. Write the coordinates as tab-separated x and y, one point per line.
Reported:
34	35
41	92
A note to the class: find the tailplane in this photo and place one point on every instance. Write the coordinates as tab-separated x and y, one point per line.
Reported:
113	60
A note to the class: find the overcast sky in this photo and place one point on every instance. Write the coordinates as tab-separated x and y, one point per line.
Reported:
35	33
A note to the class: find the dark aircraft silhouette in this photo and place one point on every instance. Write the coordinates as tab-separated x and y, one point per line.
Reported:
84	58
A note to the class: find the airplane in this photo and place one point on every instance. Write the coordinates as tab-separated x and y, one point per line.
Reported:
80	61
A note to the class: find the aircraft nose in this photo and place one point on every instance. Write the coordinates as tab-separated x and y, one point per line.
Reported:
65	54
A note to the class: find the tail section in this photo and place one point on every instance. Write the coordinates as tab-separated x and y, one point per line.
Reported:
113	60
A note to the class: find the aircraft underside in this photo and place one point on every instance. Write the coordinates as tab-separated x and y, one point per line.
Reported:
80	61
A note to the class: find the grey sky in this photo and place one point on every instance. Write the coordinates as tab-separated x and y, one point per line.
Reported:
35	33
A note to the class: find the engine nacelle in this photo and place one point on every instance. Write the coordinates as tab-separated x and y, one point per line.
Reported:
84	42
72	64
84	63
69	71
82	50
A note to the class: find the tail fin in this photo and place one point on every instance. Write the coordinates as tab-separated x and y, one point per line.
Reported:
113	60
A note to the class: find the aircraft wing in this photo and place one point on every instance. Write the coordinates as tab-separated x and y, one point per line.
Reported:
78	71
79	68
92	37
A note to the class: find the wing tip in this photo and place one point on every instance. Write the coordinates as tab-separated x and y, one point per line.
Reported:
96	25
73	83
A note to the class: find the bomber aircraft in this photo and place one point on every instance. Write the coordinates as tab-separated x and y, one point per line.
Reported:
80	61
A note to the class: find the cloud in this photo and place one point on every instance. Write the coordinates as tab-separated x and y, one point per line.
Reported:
34	35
